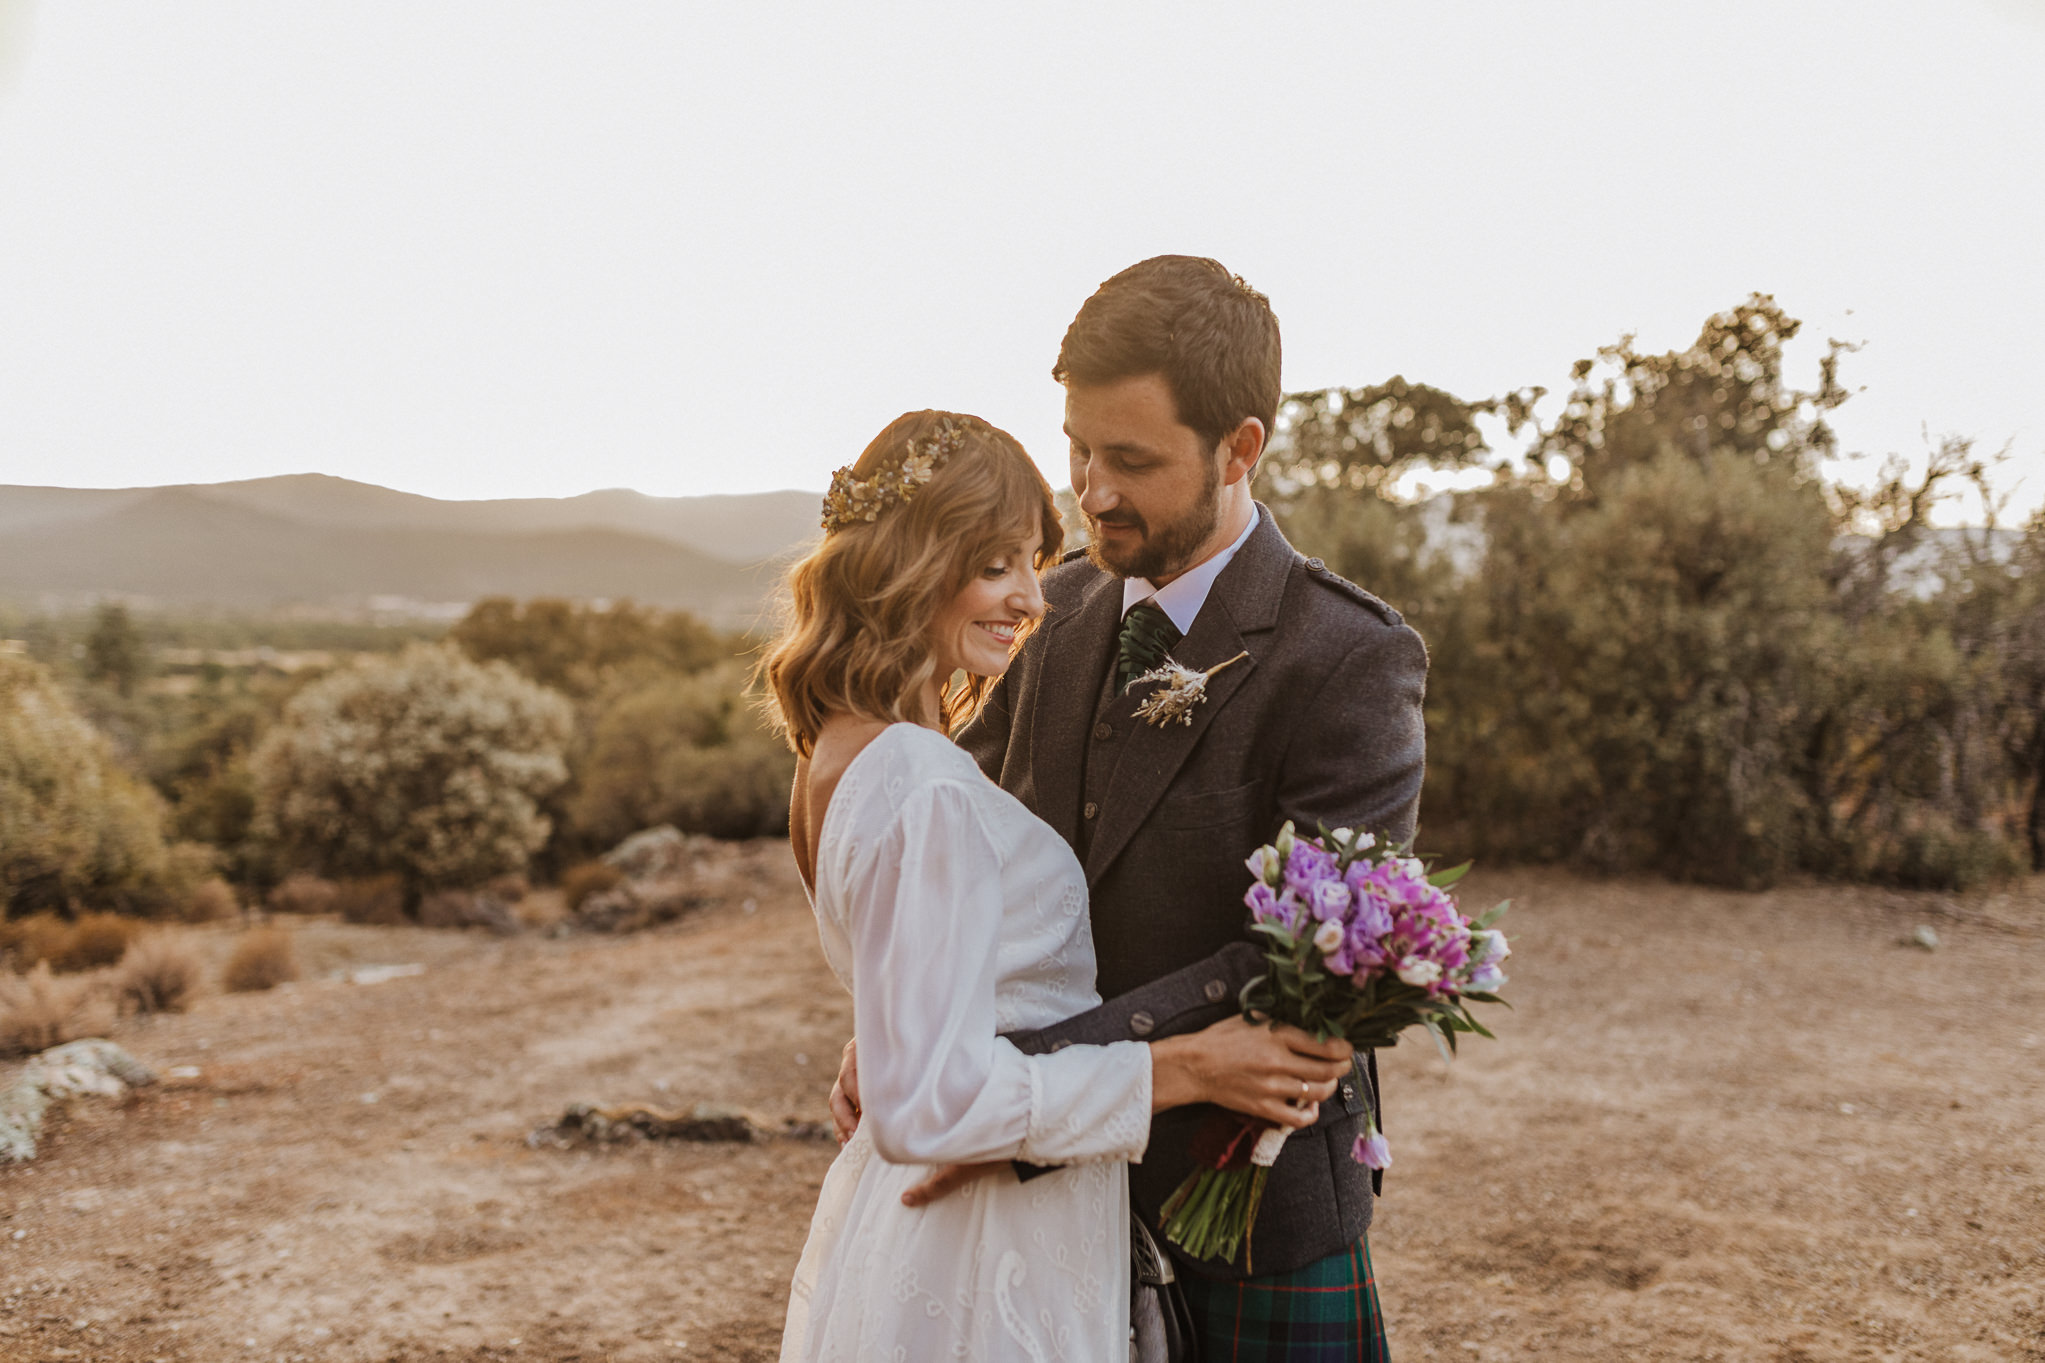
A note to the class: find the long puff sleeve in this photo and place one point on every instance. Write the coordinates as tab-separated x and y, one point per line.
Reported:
923	913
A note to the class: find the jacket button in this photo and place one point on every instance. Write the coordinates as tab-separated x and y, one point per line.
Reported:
1090	810
1216	991
1142	1024
1104	731
1314	565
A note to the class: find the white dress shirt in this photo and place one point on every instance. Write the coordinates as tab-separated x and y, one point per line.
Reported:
1182	597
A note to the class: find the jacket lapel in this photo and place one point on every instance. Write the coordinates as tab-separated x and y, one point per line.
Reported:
1076	651
1241	608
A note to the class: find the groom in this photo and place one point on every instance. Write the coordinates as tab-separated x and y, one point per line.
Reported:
1171	376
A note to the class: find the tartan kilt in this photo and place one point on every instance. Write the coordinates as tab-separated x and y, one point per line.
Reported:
1326	1312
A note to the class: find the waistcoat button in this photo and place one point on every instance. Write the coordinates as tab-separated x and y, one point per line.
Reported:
1104	731
1142	1024
1090	810
1216	991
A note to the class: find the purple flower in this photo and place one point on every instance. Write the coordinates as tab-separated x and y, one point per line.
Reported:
1372	1148
1485	979
1263	902
1328	899
1263	864
1307	866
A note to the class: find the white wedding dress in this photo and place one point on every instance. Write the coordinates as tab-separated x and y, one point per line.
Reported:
953	914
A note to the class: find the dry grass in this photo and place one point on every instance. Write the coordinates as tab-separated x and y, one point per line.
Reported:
38	937
377	900
212	901
263	959
93	941
158	975
591	877
302	893
97	939
38	1010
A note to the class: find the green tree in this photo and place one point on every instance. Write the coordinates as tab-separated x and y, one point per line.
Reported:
75	828
427	766
692	751
580	649
113	651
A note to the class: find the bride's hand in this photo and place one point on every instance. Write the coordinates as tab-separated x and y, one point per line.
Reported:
845	1093
1270	1071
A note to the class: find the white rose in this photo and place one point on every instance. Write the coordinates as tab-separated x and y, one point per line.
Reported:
1419	973
1329	937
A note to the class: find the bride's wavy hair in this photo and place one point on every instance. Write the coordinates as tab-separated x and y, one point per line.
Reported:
857	615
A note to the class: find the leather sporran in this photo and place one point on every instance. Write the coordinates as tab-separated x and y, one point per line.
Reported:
1160	1321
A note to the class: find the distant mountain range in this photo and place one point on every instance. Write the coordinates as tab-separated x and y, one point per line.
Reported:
313	541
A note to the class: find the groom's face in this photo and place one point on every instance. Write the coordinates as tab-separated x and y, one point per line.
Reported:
1150	487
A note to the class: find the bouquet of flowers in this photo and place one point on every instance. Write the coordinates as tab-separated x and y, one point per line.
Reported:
1362	942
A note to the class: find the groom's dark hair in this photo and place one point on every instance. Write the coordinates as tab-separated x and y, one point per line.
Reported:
1212	337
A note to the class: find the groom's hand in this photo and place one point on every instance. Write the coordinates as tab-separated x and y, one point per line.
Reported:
845	1093
1270	1071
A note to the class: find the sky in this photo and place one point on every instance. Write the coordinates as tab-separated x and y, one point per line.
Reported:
517	249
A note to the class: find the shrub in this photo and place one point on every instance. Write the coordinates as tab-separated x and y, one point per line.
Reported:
694	752
38	937
591	877
211	901
378	900
426	766
96	940
38	1010
158	975
74	827
263	959
302	893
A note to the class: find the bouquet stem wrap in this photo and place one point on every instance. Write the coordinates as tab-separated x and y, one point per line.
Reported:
1358	946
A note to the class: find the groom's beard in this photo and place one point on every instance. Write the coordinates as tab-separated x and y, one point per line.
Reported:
1163	551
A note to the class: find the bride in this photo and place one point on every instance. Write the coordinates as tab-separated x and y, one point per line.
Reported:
954	916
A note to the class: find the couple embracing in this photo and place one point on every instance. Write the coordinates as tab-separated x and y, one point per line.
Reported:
980	897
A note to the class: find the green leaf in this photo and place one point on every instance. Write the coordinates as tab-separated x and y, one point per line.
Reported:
1441	880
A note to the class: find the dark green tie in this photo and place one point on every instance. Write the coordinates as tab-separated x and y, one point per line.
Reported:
1148	634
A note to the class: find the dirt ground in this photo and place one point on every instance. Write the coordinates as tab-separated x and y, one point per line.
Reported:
1717	1126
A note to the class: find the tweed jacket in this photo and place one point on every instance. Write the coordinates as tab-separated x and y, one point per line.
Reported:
1321	723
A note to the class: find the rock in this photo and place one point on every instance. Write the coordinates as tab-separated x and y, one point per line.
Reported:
76	1069
468	909
1924	937
589	1124
655	852
634	904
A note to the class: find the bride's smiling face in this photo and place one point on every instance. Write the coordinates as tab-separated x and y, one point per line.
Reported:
975	631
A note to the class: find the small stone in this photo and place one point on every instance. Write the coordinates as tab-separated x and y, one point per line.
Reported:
1924	937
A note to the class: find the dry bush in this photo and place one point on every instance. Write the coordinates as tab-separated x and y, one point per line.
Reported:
374	899
303	893
591	877
158	975
210	901
263	959
38	937
38	1010
510	887
97	939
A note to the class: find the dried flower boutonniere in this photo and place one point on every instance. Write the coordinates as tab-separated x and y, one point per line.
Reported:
1182	689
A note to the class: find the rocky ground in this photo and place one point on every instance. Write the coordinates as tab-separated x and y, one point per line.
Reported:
1716	1126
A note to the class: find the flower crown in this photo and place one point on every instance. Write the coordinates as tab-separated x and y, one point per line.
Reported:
853	499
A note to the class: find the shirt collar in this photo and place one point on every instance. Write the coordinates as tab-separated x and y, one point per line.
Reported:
1182	597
